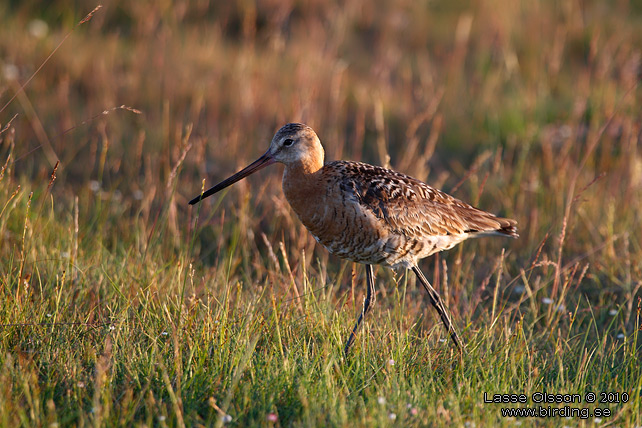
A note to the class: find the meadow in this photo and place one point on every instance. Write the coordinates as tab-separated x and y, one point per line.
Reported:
124	306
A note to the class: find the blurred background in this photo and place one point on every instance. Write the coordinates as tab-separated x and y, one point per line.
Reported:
516	106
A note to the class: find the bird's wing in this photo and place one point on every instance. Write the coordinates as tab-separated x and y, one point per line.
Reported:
411	207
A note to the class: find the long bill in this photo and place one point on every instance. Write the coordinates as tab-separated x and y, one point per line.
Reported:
261	162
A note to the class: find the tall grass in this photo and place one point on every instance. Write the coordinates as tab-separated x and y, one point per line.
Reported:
124	306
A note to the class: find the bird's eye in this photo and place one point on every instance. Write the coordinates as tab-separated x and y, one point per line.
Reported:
288	142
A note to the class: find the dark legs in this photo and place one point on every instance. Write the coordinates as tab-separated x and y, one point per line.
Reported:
435	300
366	305
438	304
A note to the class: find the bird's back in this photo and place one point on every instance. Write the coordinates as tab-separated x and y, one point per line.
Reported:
374	215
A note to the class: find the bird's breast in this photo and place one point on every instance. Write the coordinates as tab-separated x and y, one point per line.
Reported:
343	226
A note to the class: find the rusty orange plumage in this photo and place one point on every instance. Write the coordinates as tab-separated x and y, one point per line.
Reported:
369	214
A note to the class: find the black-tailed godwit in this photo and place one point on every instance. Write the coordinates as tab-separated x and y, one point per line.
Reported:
369	214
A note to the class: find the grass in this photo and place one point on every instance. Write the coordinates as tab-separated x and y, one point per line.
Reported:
123	306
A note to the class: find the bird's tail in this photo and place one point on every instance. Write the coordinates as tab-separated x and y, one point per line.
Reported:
507	227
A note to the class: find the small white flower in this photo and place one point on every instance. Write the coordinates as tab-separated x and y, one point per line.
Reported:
391	362
547	300
49	315
408	406
597	420
519	289
620	336
392	416
165	333
65	254
112	327
10	71
227	419
161	418
381	400
38	28
613	312
138	195
80	384
442	340
94	186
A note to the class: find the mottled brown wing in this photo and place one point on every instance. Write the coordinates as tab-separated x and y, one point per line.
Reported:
414	209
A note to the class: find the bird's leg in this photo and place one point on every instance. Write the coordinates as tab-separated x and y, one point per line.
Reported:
370	298
438	304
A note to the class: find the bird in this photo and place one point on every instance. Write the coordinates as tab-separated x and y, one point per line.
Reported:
369	214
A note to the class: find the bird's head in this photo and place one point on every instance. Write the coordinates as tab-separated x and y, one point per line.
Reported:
295	144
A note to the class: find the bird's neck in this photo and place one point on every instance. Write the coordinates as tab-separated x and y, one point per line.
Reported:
304	166
302	184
